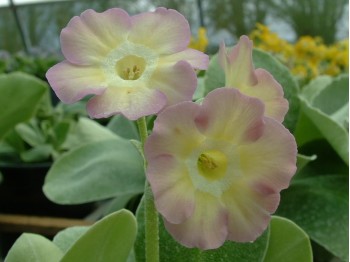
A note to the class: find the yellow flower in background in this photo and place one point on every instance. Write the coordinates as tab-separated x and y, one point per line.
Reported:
201	42
308	57
341	54
271	42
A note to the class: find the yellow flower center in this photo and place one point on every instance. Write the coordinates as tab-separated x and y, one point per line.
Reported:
130	67
212	164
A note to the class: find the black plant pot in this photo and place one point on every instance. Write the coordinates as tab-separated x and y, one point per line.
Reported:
21	193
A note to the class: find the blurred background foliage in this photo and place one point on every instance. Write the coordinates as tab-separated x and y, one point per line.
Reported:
226	19
308	36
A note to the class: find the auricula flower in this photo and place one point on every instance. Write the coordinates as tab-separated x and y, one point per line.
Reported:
259	83
134	65
217	168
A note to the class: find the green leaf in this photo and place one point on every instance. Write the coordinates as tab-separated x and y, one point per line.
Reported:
325	103
20	97
95	171
215	78
29	134
123	127
118	203
319	205
287	242
38	153
305	130
61	131
86	131
303	160
67	237
315	86
172	251
32	247
110	239
327	162
334	97
200	90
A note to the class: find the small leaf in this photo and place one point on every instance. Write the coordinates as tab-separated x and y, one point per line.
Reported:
303	160
200	90
110	239
67	237
20	96
29	134
86	131
123	127
38	153
95	171
287	242
214	76
61	130
32	247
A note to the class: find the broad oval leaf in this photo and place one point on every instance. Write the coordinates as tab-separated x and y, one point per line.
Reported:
110	239
287	242
95	171
67	237
172	251
33	247
20	96
319	205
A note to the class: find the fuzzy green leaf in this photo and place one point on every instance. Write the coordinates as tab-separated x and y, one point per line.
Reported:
95	171
110	239
33	247
287	242
20	96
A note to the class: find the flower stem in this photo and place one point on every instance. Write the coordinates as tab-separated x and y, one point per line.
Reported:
151	214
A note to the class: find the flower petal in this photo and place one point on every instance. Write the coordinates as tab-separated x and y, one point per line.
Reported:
197	59
174	132
206	228
133	103
240	74
238	64
173	190
88	38
247	215
178	82
271	93
226	114
166	31
71	83
273	155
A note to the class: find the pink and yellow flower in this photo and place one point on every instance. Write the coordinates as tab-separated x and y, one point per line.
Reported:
259	83
134	65
217	169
